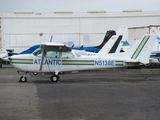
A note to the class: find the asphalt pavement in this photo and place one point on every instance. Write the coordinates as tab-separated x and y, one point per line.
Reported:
108	94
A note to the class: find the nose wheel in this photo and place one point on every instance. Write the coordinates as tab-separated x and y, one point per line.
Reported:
23	79
54	78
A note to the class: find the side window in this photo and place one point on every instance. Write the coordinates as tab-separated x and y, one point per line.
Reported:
77	54
67	55
52	54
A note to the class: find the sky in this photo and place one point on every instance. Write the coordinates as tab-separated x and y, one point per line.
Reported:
49	6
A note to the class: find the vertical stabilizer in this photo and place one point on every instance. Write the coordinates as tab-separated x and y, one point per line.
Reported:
114	43
141	50
124	44
111	45
108	35
123	30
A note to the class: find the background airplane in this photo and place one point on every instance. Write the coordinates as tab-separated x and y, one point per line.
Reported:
112	46
94	49
156	52
4	55
54	58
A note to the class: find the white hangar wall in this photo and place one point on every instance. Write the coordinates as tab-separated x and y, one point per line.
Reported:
19	31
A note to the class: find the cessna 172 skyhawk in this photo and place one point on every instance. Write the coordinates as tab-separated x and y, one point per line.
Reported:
54	58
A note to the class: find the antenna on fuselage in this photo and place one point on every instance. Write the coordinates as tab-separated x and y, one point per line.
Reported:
51	38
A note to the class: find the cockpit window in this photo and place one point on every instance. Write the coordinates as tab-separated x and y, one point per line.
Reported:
52	54
67	55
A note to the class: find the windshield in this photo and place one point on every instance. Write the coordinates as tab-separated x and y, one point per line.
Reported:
38	52
77	54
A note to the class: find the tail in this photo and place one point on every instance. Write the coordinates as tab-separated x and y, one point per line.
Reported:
123	30
139	53
108	35
111	45
142	49
124	44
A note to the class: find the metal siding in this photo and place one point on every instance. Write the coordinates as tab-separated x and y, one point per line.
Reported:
92	39
69	25
57	26
94	25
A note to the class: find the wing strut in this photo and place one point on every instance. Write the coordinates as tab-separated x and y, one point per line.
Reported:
42	58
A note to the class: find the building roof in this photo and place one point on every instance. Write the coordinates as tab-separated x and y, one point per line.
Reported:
72	14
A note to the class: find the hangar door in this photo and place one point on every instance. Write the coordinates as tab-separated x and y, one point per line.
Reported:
21	42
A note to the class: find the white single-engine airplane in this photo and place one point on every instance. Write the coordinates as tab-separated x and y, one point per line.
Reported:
55	58
4	55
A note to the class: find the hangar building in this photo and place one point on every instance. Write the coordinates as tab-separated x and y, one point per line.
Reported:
22	29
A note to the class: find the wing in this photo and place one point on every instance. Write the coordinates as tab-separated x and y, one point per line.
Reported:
55	47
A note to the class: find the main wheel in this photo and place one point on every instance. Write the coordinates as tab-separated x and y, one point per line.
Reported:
61	73
35	73
23	79
55	78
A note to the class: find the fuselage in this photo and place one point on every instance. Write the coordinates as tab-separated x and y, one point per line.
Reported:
65	62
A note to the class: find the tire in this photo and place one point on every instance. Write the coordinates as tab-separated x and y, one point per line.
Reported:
23	79
55	78
35	73
61	73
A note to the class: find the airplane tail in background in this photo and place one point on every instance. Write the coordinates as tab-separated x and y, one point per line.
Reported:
108	35
111	45
123	30
124	44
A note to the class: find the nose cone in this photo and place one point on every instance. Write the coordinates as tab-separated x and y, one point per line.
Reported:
11	59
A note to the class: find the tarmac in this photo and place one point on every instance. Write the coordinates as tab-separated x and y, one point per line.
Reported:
108	94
